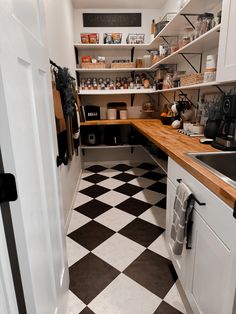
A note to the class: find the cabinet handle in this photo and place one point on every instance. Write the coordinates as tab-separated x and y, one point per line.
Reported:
196	200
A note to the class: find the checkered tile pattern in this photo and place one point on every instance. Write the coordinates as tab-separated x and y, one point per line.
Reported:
118	261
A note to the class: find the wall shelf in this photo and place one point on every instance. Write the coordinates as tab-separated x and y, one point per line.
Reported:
116	91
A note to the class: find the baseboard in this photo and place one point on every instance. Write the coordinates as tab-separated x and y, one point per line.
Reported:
73	201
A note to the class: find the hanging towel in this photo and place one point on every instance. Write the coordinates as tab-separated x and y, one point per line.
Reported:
183	206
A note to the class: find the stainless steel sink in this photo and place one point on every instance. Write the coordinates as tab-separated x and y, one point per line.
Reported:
222	164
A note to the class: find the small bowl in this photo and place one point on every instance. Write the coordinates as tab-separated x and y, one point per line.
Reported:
167	120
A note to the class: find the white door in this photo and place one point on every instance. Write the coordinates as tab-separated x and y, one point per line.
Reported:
226	68
28	144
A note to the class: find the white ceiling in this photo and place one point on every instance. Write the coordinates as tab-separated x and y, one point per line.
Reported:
118	4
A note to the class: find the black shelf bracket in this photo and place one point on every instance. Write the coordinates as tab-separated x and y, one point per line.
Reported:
186	96
132	96
186	15
165	38
221	90
83	151
132	149
132	54
192	66
76	56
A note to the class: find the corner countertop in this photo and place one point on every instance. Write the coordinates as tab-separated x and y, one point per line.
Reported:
176	145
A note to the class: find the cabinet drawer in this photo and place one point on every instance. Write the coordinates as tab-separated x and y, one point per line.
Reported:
216	213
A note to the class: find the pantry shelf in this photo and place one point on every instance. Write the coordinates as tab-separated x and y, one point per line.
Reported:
90	70
117	91
203	43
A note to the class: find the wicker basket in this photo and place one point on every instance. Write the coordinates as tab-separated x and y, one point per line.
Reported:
87	65
191	79
123	65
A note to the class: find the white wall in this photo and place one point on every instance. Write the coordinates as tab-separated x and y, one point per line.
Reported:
60	34
147	17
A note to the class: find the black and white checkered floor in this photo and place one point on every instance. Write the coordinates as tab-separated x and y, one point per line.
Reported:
117	256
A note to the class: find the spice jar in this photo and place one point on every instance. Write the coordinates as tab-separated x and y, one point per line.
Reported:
205	22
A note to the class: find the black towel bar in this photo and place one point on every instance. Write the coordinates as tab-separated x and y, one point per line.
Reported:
196	200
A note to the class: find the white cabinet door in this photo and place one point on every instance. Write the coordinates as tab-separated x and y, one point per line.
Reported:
226	69
211	275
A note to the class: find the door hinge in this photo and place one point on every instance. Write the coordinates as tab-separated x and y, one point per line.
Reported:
8	192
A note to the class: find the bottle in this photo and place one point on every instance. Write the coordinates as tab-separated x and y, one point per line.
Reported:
152	30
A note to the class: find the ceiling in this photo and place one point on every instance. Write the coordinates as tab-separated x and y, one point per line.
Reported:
118	4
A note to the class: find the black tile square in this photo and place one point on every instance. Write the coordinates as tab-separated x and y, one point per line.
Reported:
153	272
141	231
133	206
147	166
154	175
94	191
93	208
95	178
89	276
128	189
158	187
162	203
87	310
96	168
122	167
165	308
126	177
91	235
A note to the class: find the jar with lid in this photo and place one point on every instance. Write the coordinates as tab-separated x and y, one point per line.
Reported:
187	37
205	22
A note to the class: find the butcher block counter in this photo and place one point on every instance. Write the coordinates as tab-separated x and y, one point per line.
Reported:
176	145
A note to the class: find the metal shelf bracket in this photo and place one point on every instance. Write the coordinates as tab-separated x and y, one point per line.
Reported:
192	66
186	17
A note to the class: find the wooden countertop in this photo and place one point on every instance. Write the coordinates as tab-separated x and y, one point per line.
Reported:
176	145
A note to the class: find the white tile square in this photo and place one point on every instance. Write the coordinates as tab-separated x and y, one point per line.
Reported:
119	251
149	196
137	171
86	173
84	184
159	246
81	199
112	198
174	298
110	172
77	220
110	183
125	296
142	182
74	251
115	219
155	215
74	304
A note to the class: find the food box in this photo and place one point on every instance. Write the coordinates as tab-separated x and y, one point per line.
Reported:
135	39
112	38
90	38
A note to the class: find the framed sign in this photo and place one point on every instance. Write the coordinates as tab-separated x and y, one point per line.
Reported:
112	19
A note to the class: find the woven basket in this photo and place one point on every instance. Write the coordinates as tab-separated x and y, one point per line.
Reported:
123	65
191	79
99	65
